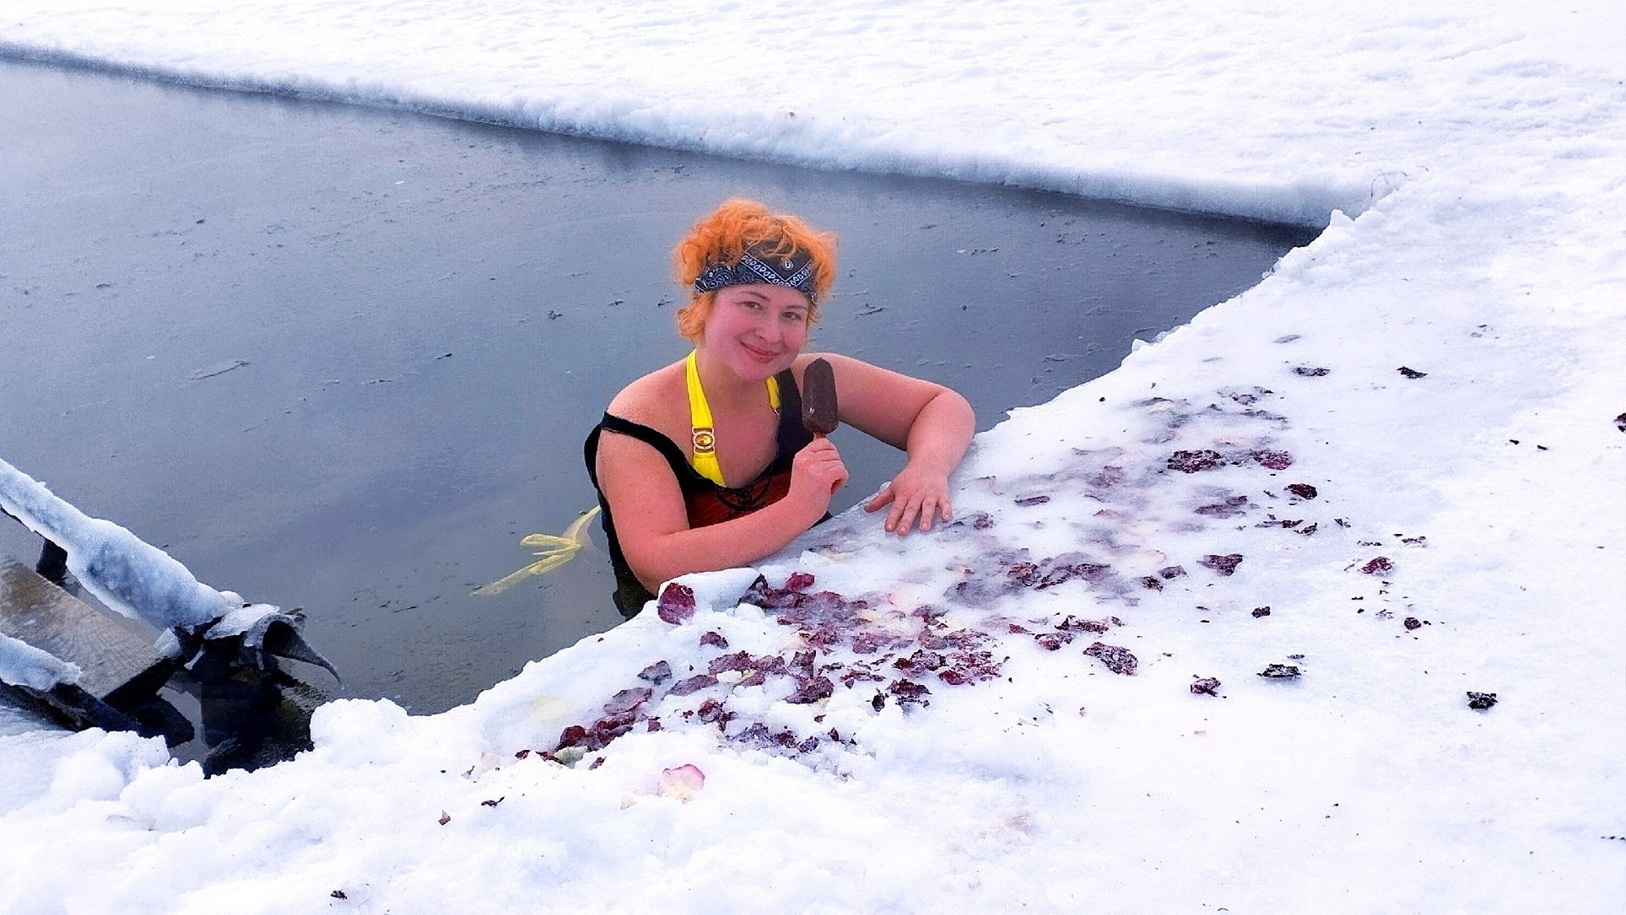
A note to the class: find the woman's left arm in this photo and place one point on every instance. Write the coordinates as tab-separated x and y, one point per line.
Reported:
931	423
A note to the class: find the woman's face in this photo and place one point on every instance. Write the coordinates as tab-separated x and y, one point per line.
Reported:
757	329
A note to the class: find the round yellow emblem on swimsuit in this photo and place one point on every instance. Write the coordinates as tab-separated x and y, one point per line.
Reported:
704	441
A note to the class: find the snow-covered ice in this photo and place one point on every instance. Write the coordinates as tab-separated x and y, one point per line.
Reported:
1405	444
127	575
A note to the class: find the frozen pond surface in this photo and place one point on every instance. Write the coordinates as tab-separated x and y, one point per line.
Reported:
344	359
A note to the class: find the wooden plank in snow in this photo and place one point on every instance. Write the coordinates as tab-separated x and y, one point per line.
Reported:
115	654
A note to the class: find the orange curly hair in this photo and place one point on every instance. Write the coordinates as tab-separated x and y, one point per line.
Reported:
723	237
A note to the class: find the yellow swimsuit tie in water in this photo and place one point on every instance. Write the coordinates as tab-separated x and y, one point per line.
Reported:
705	436
556	551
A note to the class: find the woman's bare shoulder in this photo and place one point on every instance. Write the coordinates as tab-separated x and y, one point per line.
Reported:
652	399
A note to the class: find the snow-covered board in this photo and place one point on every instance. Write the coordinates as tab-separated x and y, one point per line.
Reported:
116	661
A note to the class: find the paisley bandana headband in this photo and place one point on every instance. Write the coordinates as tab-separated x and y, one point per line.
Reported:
755	266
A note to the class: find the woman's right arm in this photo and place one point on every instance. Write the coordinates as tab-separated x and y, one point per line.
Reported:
652	524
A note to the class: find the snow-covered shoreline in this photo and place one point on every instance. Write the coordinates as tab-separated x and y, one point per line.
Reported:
1475	155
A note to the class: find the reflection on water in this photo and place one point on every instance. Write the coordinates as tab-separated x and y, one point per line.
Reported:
344	360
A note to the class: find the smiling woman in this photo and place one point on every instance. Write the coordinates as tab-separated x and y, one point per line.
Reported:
708	464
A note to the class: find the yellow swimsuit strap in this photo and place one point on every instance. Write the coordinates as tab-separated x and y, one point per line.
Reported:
705	437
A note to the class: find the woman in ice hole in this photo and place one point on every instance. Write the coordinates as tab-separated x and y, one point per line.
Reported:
706	464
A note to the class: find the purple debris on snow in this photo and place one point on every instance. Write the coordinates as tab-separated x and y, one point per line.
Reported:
693	684
1074	624
1119	660
1280	672
736	661
1480	701
1260	611
712	712
962	639
919	663
656	673
1169	573
601	733
1310	371
1274	460
979	520
1224	565
676	603
1032	500
1023	574
714	639
1107	476
860	671
1052	641
1194	461
870	642
1205	686
1064	568
627	700
1378	566
1250	397
907	692
1302	490
928	613
1230	508
811	690
1411	373
1412	622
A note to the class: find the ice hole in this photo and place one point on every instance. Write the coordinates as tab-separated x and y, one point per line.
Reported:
343	359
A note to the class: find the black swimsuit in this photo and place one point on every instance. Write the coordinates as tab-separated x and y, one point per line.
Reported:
705	501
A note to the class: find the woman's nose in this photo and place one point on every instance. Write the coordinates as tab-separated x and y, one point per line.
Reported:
768	329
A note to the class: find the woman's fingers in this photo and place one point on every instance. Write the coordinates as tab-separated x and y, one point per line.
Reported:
902	515
909	507
881	499
820	465
906	514
840	480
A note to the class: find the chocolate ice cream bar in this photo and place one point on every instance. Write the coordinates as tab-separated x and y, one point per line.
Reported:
819	398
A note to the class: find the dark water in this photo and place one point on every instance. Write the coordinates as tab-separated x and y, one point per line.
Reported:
343	359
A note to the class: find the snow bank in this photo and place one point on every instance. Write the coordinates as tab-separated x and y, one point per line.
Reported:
1394	466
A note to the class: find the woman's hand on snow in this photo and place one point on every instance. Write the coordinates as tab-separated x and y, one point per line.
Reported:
914	497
